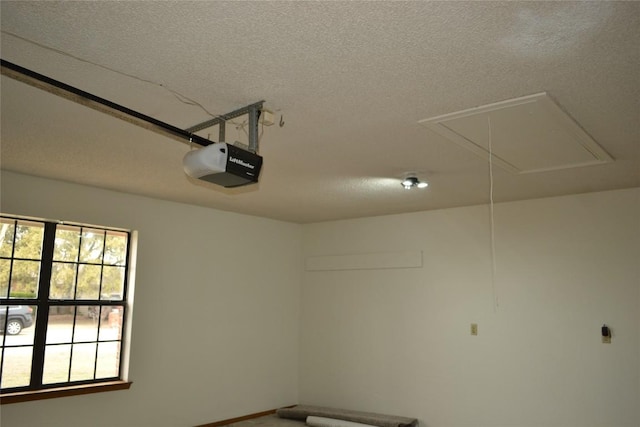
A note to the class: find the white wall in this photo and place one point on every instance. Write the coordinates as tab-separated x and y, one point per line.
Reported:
398	340
393	340
215	325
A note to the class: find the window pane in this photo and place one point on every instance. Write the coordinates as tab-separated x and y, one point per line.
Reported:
6	237
16	368
82	342
112	283
60	326
29	240
88	282
24	279
116	248
83	362
56	364
92	246
66	244
111	323
5	269
86	328
63	329
63	279
108	360
19	328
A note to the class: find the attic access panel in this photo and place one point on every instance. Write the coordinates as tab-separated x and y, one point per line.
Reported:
528	134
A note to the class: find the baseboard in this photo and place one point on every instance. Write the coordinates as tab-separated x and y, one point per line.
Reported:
242	418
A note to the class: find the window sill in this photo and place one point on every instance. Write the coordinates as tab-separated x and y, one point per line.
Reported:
51	393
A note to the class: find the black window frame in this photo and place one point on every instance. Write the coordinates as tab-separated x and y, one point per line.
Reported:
44	303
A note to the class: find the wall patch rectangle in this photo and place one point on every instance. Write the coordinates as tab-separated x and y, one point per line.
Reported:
366	261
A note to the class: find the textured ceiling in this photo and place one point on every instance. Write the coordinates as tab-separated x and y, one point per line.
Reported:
350	80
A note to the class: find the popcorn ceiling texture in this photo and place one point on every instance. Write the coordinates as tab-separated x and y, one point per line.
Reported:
350	78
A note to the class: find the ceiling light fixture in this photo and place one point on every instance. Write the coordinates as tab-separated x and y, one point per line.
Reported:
412	182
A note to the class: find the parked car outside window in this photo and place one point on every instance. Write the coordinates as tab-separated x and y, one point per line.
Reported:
20	317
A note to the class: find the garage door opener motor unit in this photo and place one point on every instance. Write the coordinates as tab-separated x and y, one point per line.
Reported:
223	164
226	164
219	163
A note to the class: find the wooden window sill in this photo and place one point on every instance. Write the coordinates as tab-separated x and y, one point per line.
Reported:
51	393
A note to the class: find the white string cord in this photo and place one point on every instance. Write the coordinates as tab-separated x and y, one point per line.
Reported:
180	97
492	222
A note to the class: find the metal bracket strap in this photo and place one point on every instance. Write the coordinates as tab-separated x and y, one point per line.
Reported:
253	111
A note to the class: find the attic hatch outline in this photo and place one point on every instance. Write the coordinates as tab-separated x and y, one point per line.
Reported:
542	105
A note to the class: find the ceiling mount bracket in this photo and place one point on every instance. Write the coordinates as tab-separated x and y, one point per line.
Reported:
252	110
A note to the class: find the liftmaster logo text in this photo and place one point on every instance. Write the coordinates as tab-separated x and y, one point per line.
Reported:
241	163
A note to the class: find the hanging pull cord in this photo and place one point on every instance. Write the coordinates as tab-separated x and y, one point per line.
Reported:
492	222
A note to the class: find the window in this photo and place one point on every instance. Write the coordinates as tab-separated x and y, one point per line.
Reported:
63	304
